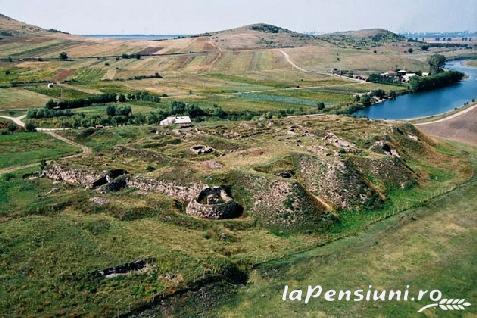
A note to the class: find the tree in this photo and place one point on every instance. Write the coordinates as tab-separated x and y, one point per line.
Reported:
320	106
11	127
410	50
122	98
436	63
366	100
30	126
111	110
63	56
425	47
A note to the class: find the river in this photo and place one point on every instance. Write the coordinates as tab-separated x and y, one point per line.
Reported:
428	103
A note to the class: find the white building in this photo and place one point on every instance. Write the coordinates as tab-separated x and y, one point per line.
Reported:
408	76
183	121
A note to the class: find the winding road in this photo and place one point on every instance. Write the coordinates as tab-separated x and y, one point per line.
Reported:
289	61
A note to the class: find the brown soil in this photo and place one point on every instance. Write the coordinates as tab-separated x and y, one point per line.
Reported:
461	128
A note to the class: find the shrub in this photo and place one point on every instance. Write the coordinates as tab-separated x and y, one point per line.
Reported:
30	126
63	56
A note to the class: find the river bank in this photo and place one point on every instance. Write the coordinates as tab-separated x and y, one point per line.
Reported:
428	103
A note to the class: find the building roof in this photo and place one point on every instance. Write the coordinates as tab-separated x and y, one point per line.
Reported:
182	120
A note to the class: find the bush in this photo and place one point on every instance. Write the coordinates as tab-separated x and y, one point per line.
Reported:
111	110
12	127
380	79
63	56
30	126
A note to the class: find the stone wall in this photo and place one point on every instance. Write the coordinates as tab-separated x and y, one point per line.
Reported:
213	211
184	193
213	203
76	176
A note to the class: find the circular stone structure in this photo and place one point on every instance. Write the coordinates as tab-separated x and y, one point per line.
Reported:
213	203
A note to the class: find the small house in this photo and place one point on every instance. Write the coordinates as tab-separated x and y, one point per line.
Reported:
402	72
168	121
407	77
183	121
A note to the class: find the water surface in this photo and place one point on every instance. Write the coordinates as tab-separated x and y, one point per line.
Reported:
428	103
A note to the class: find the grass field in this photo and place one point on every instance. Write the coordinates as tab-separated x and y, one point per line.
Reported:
79	237
25	148
429	247
18	98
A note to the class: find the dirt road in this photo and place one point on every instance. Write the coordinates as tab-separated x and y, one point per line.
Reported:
461	126
49	131
17	120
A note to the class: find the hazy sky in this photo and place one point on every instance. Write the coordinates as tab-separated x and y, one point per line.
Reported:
196	16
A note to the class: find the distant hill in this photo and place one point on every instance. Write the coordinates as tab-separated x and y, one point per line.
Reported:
260	35
13	28
374	35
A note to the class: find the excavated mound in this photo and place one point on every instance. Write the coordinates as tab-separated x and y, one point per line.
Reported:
289	175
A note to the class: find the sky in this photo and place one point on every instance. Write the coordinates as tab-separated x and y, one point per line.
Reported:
198	16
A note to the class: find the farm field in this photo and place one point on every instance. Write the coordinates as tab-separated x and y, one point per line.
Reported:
24	148
17	98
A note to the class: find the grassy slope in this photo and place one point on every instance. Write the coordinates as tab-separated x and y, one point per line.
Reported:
18	98
431	247
47	271
25	148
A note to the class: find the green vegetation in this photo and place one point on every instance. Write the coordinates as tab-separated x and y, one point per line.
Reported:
24	148
436	63
442	79
63	56
59	92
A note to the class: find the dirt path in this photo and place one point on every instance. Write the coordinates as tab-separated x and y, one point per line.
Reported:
461	126
49	131
85	150
220	53
17	120
465	111
16	168
289	61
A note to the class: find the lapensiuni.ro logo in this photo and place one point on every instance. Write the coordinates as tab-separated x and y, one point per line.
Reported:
432	298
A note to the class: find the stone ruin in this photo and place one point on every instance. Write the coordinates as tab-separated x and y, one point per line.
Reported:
201	149
135	267
213	203
331	139
107	181
384	148
203	201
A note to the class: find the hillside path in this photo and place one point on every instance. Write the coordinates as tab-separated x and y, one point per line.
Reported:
85	150
289	61
17	120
